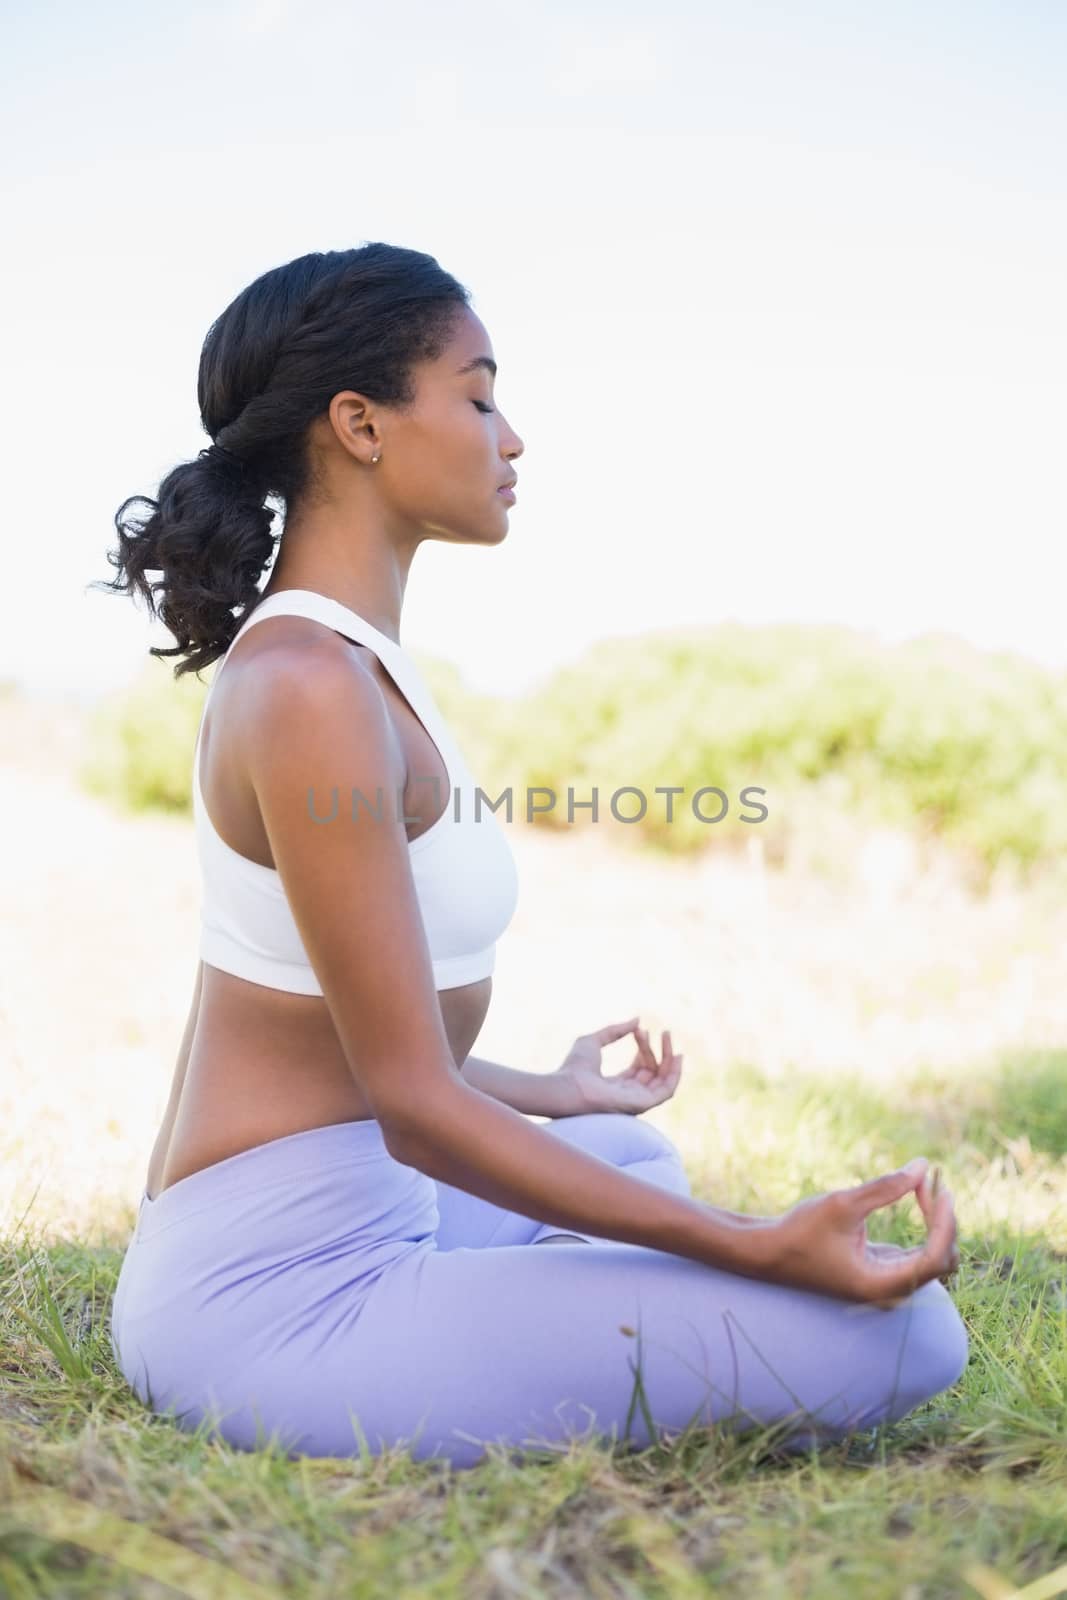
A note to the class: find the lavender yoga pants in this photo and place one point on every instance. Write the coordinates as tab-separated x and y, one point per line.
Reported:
317	1293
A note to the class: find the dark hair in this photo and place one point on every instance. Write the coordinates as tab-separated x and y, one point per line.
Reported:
299	334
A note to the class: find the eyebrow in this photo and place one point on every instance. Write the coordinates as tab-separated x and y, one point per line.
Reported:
479	361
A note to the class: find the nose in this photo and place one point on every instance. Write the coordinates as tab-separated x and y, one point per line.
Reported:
513	446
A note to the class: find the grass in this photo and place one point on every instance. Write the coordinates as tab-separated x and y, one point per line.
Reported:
100	1497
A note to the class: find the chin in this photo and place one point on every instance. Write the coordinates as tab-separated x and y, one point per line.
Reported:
495	536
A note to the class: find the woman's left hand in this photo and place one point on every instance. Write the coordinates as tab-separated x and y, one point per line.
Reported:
645	1083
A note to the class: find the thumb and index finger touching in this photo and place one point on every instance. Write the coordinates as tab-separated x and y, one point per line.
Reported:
938	1250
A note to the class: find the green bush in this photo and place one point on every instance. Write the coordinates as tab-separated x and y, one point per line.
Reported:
141	742
934	734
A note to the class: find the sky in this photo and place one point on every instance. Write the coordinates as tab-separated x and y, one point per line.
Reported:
776	291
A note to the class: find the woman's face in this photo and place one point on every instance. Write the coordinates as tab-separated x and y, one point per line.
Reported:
444	461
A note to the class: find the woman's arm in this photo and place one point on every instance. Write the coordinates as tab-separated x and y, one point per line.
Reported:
538	1094
159	1149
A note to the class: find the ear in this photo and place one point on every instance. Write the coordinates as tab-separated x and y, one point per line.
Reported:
356	423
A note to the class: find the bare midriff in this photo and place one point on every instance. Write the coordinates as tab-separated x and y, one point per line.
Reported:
265	1063
262	1062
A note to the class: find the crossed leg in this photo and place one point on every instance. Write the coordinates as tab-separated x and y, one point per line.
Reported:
468	1337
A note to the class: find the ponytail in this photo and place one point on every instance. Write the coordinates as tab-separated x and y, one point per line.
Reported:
209	534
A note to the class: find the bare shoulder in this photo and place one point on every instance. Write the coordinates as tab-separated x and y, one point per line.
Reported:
301	689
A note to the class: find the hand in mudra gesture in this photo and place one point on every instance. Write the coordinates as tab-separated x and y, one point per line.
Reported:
821	1243
645	1083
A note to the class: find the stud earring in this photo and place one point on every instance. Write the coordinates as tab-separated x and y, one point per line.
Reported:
375	458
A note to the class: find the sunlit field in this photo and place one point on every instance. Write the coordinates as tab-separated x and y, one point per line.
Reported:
834	1023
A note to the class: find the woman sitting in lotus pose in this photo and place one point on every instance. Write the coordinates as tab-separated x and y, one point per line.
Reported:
334	1246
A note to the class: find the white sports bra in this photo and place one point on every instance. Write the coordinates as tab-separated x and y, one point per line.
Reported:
463	867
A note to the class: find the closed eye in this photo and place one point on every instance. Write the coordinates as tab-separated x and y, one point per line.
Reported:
482	407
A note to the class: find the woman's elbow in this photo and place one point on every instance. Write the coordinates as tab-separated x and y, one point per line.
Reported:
415	1121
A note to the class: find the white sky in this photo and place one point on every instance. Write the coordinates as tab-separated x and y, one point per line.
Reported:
777	293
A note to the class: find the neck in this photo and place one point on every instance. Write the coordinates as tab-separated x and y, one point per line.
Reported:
376	594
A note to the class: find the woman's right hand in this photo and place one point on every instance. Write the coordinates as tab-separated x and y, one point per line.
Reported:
822	1244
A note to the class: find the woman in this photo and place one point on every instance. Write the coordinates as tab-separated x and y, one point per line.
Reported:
333	1244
